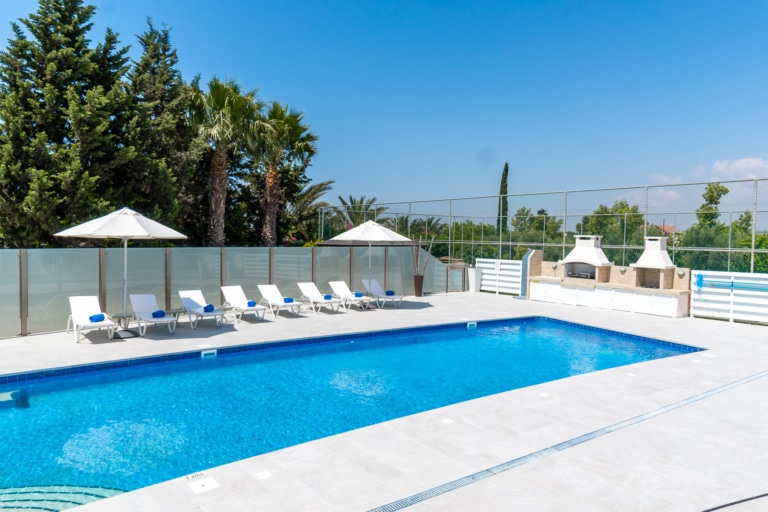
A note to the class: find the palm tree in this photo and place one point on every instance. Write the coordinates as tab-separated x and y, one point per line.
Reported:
429	226
223	116
305	208
283	144
398	223
357	211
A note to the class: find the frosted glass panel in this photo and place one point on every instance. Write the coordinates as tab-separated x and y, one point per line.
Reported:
9	293
146	274
332	264
435	276
196	268
457	279
360	266
400	270
292	265
55	275
248	267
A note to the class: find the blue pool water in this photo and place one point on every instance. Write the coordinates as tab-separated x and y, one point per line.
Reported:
133	427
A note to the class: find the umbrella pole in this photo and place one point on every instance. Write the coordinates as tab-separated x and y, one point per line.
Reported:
124	332
369	263
125	278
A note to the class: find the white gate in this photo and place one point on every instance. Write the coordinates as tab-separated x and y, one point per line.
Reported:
500	276
729	295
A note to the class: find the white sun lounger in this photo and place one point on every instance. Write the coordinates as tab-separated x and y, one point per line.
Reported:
235	298
144	307
316	300
342	291
274	300
374	288
194	304
83	308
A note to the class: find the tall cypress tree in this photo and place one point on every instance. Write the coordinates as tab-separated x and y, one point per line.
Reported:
503	202
167	149
63	124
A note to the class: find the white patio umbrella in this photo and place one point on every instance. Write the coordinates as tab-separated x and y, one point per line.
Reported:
369	233
124	224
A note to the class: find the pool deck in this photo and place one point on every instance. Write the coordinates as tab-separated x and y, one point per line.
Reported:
684	433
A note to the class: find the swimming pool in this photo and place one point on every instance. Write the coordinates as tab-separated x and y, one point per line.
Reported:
130	427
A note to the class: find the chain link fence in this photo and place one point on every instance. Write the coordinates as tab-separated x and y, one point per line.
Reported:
708	227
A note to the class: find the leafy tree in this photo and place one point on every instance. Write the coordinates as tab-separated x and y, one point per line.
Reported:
503	201
225	116
612	223
284	146
358	210
531	231
66	137
708	213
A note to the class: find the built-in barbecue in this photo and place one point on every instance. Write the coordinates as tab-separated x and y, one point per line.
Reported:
655	268
587	260
585	277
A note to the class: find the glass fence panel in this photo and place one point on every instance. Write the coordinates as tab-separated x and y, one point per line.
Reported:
55	275
292	265
10	311
367	262
436	275
248	267
146	274
400	270
332	264
196	268
456	279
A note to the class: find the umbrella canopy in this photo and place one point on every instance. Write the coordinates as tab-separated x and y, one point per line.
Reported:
124	224
369	233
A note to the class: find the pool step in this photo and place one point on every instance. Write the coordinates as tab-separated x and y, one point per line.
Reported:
51	497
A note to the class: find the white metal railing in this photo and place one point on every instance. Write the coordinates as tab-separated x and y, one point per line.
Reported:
500	276
729	295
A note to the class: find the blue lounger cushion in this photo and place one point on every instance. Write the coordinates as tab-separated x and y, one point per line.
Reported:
327	296
97	318
158	314
358	294
287	300
208	308
251	303
390	292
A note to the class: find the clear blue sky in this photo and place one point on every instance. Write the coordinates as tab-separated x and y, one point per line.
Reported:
426	100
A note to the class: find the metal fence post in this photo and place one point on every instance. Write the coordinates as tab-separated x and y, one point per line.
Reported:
271	265
103	278
730	235
222	272
624	249
314	264
754	225
23	292
565	220
168	278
